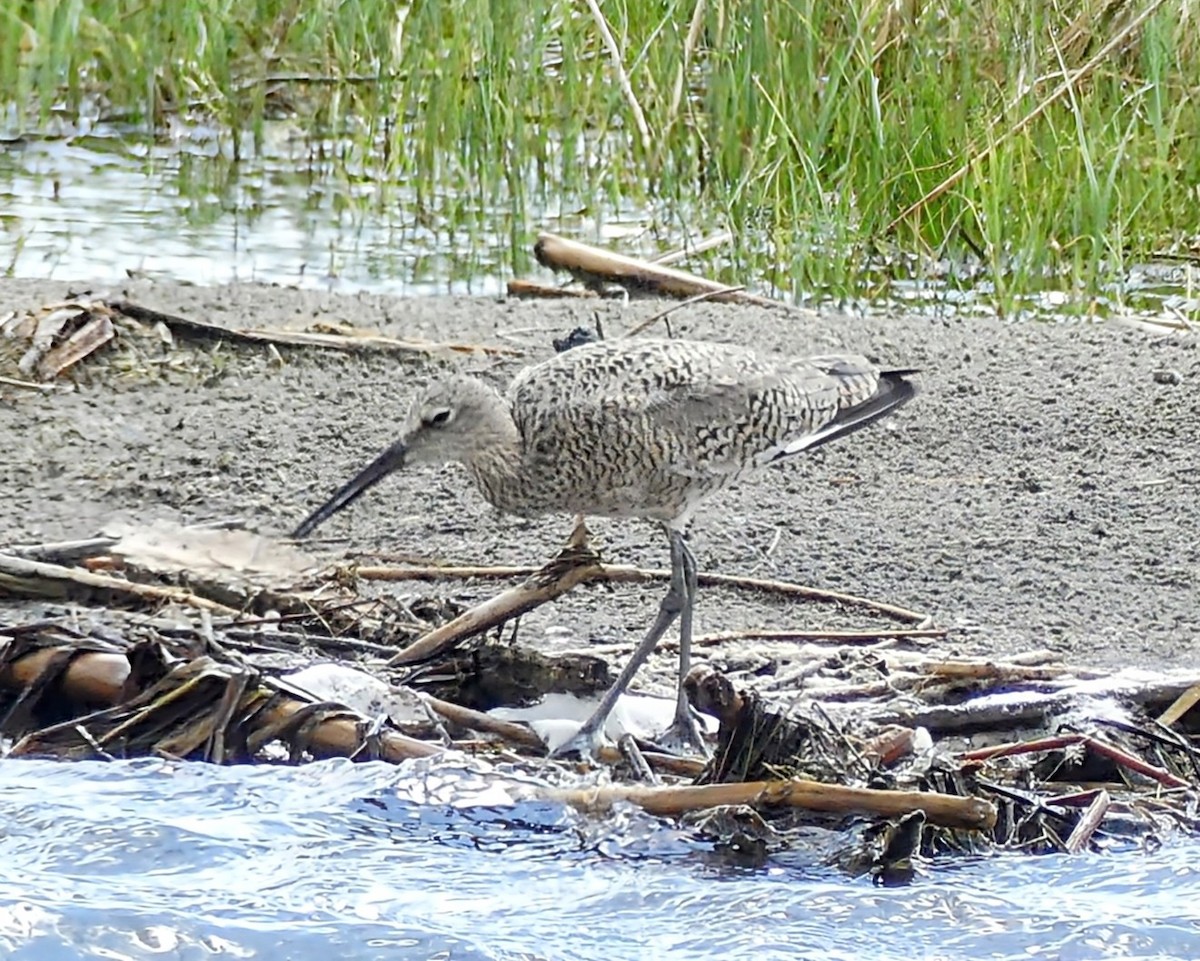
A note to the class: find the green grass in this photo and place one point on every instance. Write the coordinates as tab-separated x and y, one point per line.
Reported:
805	126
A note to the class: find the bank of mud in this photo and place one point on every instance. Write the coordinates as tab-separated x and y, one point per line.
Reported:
1041	492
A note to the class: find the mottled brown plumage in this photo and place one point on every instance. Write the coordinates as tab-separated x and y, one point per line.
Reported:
634	428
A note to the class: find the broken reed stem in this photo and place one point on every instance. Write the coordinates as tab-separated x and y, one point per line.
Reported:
19	575
1089	822
563	574
695	27
614	52
691	250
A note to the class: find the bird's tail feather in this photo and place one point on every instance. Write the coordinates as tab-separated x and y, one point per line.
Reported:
896	388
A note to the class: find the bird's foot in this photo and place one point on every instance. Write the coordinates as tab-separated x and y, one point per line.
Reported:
684	737
585	744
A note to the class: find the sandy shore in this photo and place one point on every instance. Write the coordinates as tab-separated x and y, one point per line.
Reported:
1042	492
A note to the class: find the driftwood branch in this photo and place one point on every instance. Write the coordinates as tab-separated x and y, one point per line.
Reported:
595	265
531	289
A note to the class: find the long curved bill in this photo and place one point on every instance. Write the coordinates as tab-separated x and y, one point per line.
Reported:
390	460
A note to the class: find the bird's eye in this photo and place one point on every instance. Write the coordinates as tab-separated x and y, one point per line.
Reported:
438	418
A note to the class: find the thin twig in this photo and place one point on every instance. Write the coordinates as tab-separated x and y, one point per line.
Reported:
848	637
29	385
621	574
17	574
707	295
691	250
57	552
341	337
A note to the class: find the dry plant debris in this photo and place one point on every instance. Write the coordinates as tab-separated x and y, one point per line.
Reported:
183	643
45	343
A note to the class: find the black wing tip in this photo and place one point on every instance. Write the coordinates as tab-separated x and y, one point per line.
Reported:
901	388
896	388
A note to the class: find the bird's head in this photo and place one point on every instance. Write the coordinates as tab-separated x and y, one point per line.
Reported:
450	420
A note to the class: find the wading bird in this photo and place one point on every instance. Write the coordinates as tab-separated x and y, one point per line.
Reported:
634	428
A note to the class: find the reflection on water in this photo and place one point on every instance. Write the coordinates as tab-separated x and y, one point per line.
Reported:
151	859
95	207
300	212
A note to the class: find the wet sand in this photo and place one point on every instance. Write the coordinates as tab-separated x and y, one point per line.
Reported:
1041	492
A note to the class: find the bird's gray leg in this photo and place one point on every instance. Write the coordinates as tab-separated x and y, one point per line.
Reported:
684	732
591	734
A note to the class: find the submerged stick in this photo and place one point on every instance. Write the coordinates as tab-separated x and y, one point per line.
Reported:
944	810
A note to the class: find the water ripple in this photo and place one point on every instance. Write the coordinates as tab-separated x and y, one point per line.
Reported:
151	859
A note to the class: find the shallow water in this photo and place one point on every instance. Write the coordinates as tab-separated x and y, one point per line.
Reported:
154	859
96	206
97	202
